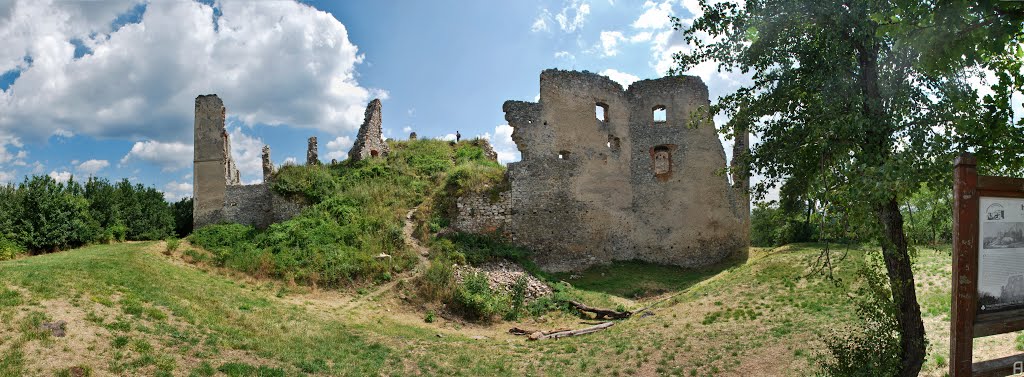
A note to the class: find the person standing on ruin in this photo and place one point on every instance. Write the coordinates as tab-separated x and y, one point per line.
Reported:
457	136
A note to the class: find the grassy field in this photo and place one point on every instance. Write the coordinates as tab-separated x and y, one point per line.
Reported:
131	309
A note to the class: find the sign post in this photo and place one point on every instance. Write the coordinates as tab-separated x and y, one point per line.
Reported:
988	267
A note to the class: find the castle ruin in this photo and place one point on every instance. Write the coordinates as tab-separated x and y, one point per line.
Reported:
369	142
611	174
217	192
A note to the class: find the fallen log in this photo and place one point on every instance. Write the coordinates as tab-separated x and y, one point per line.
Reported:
563	334
519	331
601	313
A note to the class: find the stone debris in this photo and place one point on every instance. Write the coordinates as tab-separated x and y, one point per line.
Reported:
502	275
56	329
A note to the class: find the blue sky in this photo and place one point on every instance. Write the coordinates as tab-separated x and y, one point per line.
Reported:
107	88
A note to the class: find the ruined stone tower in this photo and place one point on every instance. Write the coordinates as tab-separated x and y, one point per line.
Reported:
213	168
369	142
217	192
611	174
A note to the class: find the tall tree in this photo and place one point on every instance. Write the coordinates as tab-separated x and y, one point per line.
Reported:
859	102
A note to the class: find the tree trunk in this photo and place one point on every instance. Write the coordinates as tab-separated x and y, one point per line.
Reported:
901	282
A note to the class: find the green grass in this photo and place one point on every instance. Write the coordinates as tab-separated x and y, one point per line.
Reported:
636	279
155	309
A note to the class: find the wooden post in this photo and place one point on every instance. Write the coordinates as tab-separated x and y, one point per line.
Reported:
965	265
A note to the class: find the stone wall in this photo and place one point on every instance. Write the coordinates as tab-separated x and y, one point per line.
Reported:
589	191
483	213
369	142
257	205
218	196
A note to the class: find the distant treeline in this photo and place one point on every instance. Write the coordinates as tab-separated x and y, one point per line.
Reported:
43	215
927	220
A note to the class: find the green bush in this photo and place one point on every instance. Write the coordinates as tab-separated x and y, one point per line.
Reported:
477	301
172	244
222	239
313	183
873	347
9	249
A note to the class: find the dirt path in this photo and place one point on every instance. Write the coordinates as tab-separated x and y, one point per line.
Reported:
421	267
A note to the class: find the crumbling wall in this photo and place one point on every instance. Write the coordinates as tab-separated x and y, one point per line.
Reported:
369	142
483	213
218	195
626	186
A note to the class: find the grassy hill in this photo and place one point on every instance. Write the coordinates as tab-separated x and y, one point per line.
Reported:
133	310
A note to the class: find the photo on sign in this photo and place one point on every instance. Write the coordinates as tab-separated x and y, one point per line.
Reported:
995	212
1003	235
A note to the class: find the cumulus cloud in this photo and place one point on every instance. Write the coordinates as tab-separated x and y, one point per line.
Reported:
655	16
448	137
338	148
91	167
610	41
503	145
565	55
6	177
291	161
174	190
620	77
62	176
541	23
273	62
247	151
406	129
572	17
168	156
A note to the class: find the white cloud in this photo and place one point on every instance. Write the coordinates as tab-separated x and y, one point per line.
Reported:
620	77
6	177
541	23
247	151
174	191
503	145
337	149
565	55
91	167
168	156
572	17
291	161
655	16
641	37
62	176
448	137
62	133
406	129
273	62
569	20
609	42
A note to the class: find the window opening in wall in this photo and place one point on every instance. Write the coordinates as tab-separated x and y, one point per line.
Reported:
563	155
601	110
662	161
613	143
373	153
660	114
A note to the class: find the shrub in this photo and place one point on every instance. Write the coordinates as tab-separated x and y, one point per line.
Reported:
313	183
222	239
477	301
9	249
873	348
172	244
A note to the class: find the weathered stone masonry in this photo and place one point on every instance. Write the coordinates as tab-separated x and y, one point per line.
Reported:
217	193
628	186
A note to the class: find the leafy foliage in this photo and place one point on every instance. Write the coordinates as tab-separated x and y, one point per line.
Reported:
42	214
857	104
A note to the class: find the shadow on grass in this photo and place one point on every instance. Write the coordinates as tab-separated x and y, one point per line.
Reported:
638	280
